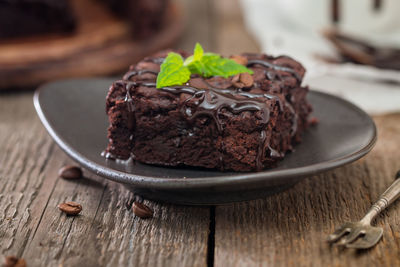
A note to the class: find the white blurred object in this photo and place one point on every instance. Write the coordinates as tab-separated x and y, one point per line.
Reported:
292	27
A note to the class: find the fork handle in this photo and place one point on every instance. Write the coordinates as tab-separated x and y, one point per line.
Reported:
387	198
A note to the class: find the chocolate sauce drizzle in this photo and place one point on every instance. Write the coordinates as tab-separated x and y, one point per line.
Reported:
132	73
157	60
274	67
212	102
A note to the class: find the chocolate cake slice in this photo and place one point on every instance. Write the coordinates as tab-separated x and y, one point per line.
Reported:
242	123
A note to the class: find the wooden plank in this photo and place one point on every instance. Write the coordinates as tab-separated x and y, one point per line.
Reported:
106	233
290	229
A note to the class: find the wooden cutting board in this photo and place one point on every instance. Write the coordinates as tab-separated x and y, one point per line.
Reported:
102	44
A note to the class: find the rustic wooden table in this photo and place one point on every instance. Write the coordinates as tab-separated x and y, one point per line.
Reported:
286	229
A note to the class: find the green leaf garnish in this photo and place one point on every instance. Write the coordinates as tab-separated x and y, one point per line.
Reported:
194	62
211	64
172	71
215	65
198	52
175	71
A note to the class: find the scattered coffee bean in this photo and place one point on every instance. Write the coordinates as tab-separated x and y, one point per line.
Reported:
70	208
141	210
246	79
235	78
12	261
239	59
70	172
313	121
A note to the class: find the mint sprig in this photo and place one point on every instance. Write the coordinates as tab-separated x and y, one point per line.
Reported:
175	71
211	64
172	71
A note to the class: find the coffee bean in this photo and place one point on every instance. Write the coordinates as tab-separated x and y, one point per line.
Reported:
313	121
246	79
141	210
236	81
70	208
12	261
70	172
239	59
242	80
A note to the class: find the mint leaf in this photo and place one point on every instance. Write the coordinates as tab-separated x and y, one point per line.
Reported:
175	71
211	64
194	62
215	65
172	71
198	52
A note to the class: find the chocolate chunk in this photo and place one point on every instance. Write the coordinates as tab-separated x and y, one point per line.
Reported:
70	172
70	208
141	210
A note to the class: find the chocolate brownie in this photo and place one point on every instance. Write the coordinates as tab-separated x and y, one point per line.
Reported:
32	17
242	123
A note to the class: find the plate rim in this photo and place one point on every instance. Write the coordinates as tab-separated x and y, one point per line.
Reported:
200	182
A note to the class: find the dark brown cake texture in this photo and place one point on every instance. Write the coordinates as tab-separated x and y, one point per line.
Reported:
242	123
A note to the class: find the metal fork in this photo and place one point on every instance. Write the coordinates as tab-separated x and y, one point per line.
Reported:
362	235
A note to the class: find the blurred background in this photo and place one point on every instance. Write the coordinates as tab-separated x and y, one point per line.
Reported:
350	48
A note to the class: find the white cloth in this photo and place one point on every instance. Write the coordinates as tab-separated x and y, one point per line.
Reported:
292	27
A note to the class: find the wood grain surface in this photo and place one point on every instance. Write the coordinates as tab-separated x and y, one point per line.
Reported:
105	233
288	229
291	228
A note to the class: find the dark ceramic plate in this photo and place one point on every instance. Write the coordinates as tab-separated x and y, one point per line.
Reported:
73	112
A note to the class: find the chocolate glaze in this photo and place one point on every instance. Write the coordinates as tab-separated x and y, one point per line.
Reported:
261	149
269	76
157	60
132	73
212	101
131	110
275	67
